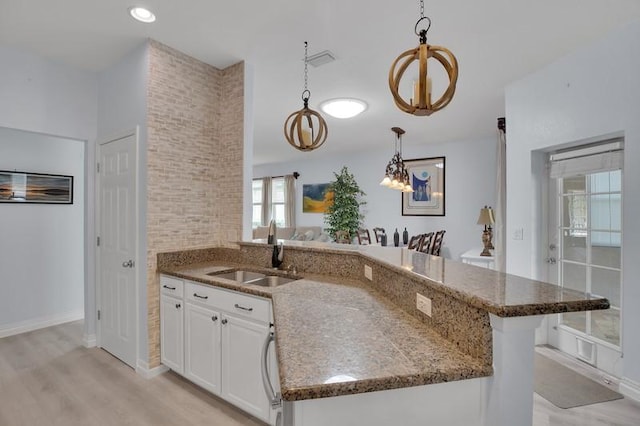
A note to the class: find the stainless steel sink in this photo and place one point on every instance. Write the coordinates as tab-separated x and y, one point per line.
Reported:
239	276
271	281
254	278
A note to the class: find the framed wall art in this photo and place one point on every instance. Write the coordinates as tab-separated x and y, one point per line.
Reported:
427	179
316	198
38	188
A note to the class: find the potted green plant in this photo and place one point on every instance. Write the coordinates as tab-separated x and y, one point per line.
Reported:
344	214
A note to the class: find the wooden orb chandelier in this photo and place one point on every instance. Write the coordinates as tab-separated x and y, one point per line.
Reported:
422	104
305	130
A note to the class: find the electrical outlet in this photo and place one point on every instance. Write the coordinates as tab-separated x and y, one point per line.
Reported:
368	272
423	304
518	234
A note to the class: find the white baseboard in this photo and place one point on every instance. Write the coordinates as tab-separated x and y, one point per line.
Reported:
38	323
89	340
142	368
630	389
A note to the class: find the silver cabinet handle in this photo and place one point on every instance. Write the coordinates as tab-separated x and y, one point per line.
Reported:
274	398
243	308
224	321
214	318
178	305
200	297
128	264
170	288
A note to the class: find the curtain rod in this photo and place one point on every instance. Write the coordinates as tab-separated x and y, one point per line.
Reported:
296	175
502	124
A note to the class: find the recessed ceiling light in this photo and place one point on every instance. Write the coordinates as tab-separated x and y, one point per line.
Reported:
142	14
343	107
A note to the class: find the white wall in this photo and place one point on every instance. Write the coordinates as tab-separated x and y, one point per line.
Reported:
469	185
41	96
42	245
588	95
122	107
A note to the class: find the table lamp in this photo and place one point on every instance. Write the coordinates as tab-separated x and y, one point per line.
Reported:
486	219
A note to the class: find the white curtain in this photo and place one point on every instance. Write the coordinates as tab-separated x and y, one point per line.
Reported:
290	201
266	200
500	212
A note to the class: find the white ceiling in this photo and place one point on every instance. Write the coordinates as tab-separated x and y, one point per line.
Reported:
495	41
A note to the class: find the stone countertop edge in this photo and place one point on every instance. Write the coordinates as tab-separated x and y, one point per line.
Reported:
468	368
465	367
579	303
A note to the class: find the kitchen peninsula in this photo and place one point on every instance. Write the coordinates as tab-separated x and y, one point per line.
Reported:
353	348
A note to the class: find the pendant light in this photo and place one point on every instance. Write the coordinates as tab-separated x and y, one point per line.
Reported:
421	104
396	175
305	129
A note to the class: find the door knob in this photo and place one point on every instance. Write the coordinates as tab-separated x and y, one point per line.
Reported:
551	260
128	264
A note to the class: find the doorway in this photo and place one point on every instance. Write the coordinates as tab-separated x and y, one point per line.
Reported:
117	247
585	250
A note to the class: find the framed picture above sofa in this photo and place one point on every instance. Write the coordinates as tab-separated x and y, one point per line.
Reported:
315	198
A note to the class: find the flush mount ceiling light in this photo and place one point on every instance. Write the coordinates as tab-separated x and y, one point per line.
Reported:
421	103
142	14
305	130
343	107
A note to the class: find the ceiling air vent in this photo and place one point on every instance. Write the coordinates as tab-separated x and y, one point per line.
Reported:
321	58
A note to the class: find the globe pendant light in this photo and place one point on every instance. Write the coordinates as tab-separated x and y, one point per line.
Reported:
422	104
305	129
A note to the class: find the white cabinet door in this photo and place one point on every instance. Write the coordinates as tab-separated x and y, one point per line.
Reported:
242	342
202	347
172	333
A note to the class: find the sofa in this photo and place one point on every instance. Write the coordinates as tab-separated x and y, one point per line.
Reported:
299	233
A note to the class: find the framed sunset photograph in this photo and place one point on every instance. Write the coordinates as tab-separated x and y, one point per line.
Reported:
23	187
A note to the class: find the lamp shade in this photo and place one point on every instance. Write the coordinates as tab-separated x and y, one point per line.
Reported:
486	216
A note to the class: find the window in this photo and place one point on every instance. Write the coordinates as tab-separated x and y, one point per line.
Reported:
257	203
278	203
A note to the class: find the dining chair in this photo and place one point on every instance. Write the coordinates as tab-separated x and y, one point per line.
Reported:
342	237
426	243
415	241
437	242
378	233
364	238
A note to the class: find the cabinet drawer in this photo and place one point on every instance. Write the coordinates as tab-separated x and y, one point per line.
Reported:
246	306
171	286
202	294
229	301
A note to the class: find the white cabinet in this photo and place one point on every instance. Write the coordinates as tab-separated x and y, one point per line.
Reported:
171	333
214	337
242	342
202	347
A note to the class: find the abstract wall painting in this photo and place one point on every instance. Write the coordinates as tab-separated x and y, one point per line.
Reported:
427	179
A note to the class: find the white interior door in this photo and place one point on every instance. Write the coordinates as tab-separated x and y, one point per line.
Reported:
117	249
585	254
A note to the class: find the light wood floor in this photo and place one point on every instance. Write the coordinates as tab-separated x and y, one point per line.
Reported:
48	378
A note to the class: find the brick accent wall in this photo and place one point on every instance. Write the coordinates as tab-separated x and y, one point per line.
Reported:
194	162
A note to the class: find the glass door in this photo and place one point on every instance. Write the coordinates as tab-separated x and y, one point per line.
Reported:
587	241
